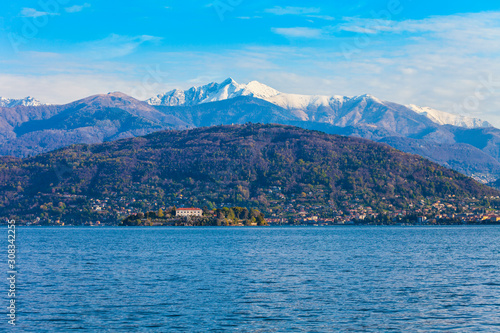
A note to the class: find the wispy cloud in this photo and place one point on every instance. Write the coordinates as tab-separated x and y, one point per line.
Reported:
249	17
76	8
116	46
359	29
322	17
309	12
32	12
479	31
292	10
298	32
480	25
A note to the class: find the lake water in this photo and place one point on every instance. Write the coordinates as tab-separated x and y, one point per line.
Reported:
360	279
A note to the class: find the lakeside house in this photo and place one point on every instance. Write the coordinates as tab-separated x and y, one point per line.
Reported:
188	212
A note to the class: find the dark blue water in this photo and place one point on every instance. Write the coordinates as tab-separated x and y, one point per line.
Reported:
258	279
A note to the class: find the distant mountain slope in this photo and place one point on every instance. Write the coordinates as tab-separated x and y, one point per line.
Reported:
462	157
363	111
486	139
32	130
239	110
229	164
495	184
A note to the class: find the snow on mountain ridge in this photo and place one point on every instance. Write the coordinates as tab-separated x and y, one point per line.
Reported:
211	92
10	102
261	90
445	118
229	89
302	106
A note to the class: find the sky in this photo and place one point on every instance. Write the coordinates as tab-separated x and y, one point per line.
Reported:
440	54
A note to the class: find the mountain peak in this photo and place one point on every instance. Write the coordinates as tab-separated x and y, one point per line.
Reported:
114	99
228	81
28	101
261	90
369	97
118	94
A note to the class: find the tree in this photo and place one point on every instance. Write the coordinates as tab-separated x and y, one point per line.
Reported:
231	215
260	220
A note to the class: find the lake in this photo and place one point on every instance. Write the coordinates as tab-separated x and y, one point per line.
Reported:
362	279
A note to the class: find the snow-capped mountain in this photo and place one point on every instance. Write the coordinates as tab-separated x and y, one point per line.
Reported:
306	107
445	118
213	92
28	101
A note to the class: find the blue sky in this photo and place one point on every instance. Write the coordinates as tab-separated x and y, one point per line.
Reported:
439	54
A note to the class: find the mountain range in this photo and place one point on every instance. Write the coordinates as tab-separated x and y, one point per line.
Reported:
468	145
305	107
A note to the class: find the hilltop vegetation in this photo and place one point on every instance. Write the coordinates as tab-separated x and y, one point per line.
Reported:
260	166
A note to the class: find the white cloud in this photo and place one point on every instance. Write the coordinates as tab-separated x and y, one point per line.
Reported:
292	10
115	46
358	29
32	12
249	17
298	32
322	17
77	8
460	27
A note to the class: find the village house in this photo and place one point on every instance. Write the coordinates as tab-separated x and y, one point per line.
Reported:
188	212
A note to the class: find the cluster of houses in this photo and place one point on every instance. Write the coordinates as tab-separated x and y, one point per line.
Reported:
354	210
292	209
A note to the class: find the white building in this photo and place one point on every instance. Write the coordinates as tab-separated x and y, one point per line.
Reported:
188	212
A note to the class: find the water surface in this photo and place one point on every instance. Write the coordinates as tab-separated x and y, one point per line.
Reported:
362	279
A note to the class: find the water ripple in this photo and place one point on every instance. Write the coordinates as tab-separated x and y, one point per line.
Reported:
258	279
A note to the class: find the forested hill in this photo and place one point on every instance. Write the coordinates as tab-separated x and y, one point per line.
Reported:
262	166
